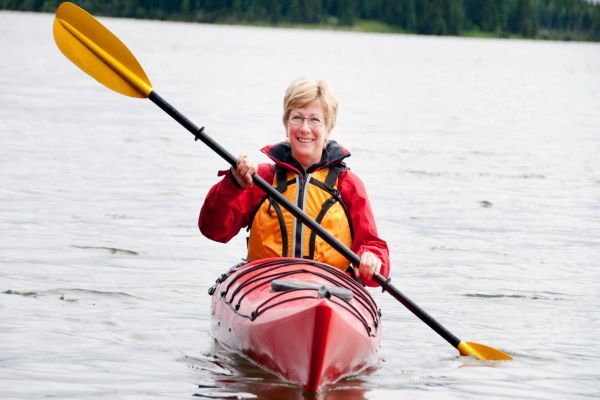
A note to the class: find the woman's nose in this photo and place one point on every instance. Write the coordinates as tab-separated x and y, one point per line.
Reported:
305	125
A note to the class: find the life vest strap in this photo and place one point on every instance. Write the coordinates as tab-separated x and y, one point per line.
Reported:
281	179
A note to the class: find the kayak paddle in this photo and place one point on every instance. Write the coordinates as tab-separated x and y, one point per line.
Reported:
100	54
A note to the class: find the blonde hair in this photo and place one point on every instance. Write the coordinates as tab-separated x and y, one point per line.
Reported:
303	91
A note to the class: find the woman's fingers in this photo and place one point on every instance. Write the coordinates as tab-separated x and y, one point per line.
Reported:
370	264
244	171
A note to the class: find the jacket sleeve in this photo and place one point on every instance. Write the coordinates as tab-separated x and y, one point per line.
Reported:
228	207
366	238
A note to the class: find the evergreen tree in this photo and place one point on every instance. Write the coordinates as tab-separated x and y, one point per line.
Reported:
524	20
346	12
453	13
431	18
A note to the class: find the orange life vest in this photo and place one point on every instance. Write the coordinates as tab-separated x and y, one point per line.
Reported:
275	232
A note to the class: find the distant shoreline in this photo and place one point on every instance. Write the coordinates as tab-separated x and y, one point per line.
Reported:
362	26
379	27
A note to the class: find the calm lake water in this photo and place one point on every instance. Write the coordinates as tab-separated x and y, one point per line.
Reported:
481	158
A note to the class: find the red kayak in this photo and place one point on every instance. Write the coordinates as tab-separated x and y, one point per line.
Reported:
307	322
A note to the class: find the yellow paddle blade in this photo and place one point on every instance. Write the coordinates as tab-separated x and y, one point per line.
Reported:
98	52
481	351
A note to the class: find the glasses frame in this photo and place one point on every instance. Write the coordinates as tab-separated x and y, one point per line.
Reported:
308	120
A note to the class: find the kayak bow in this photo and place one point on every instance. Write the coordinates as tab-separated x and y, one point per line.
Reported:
305	321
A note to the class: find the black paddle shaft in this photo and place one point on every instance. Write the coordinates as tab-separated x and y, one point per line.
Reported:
302	216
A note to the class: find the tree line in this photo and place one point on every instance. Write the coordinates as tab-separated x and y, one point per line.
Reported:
560	19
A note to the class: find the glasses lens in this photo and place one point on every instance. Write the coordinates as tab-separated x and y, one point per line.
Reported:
297	120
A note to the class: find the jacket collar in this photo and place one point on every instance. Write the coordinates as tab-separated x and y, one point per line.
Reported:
281	154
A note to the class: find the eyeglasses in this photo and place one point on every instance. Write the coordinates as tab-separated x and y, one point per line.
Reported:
313	121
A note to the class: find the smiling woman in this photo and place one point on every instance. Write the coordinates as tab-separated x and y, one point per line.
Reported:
310	171
306	134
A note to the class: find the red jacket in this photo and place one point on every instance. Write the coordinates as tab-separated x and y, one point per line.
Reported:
228	208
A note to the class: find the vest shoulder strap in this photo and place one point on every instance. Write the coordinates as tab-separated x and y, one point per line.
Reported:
333	174
330	180
281	179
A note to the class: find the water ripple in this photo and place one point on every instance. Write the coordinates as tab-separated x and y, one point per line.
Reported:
60	292
113	250
536	296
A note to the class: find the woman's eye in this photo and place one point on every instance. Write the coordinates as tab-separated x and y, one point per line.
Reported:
315	121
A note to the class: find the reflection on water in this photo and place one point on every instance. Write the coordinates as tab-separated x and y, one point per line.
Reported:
236	377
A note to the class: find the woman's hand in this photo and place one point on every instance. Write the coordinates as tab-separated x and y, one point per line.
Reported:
370	265
244	171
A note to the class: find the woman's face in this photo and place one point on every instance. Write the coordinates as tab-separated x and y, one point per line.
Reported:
307	133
